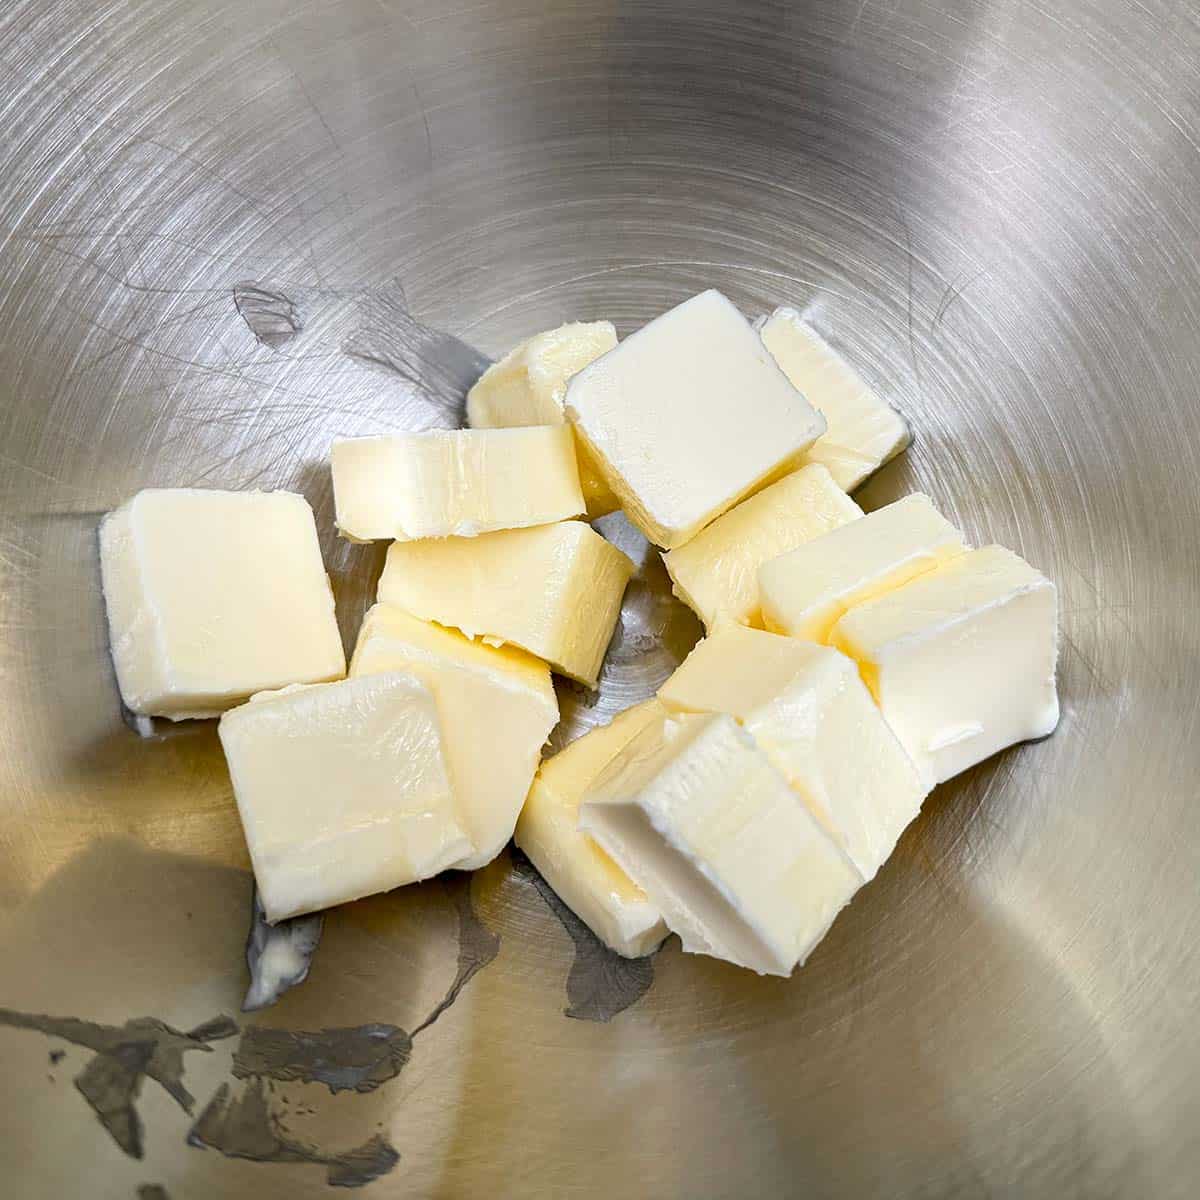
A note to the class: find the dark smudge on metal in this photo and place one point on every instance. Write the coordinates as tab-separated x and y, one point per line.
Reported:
214	1030
152	1191
361	1058
356	1059
372	327
242	1125
125	1054
478	946
601	984
111	1083
271	316
279	956
391	339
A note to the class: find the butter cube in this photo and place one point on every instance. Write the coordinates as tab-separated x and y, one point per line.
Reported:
805	591
695	812
213	596
810	713
496	705
454	483
961	660
689	415
554	591
864	432
343	790
716	573
528	387
588	881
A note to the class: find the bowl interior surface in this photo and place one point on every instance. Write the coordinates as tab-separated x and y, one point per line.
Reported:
230	232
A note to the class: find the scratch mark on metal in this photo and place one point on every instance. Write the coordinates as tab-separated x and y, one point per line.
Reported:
270	315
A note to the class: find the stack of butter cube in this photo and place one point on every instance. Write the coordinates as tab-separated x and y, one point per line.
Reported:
745	804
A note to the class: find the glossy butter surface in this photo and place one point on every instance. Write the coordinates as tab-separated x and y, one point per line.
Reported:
809	711
804	591
343	790
688	415
454	483
716	573
496	706
863	431
554	590
585	877
529	384
212	596
962	660
695	812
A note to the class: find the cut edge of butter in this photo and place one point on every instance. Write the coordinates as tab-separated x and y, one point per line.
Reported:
168	659
343	790
497	709
429	641
807	708
528	386
553	590
961	660
675	468
580	871
716	573
454	482
805	591
864	432
694	812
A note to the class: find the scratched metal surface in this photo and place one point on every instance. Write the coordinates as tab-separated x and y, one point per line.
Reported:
232	230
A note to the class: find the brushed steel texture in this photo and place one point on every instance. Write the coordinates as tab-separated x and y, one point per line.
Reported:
230	231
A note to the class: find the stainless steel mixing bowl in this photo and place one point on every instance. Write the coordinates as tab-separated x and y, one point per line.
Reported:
232	230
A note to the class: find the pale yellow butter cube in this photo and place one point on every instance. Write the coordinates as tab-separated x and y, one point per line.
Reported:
808	710
961	660
864	432
695	812
689	415
554	591
805	591
716	573
585	877
454	483
212	596
528	387
497	708
343	790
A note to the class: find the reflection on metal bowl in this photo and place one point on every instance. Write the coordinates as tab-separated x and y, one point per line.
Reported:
232	231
